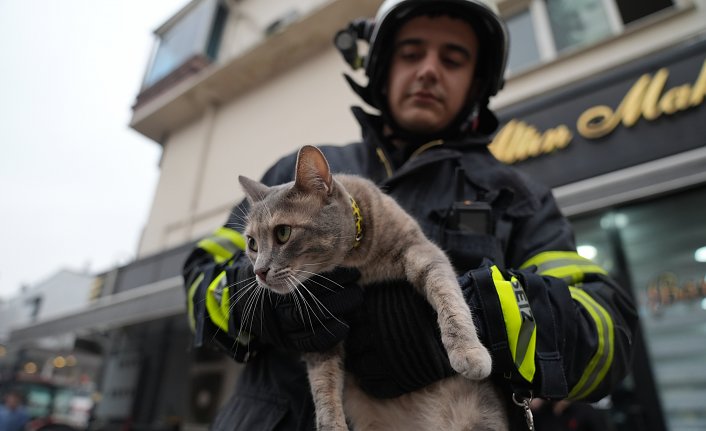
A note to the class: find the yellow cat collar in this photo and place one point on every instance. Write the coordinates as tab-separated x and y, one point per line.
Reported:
358	219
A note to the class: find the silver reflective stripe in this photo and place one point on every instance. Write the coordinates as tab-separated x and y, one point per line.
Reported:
226	243
523	341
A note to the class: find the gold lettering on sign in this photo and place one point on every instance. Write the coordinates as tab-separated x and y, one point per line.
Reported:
518	141
644	99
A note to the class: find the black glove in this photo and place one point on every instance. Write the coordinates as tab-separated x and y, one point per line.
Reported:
314	319
394	346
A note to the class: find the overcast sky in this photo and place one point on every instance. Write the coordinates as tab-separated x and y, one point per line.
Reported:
76	183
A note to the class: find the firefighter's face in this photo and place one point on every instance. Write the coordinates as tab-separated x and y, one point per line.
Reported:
431	72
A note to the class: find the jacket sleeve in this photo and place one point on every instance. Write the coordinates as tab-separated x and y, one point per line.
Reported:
209	272
562	323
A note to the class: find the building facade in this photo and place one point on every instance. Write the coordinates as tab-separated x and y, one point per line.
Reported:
604	102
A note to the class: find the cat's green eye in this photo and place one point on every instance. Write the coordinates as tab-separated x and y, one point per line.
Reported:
282	233
252	244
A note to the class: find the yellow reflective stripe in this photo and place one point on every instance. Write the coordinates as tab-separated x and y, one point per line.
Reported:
567	265
190	302
216	250
521	341
601	361
213	305
223	244
234	236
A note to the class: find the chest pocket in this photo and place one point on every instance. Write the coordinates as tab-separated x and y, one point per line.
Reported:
465	249
468	250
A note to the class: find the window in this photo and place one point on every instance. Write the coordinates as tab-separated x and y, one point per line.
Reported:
631	10
35	306
196	33
547	28
577	22
524	52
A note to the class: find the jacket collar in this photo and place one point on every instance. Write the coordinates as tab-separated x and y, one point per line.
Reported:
481	168
373	125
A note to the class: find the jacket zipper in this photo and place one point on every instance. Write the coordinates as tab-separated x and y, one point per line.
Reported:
384	161
388	166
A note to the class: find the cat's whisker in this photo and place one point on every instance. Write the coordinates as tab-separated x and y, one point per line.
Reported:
247	314
251	306
237	226
313	280
236	344
292	281
319	305
241	281
244	213
244	291
322	308
218	329
234	298
243	218
298	306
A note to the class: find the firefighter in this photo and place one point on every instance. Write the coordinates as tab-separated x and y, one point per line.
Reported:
557	325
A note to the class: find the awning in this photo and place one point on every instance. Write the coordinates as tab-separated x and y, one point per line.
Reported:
150	302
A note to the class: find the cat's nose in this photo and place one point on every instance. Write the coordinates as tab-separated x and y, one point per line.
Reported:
262	273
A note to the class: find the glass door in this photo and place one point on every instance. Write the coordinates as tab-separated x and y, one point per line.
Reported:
657	250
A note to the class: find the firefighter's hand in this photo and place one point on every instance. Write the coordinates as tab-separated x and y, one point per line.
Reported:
314	318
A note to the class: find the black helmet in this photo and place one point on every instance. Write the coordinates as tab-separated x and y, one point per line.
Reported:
482	15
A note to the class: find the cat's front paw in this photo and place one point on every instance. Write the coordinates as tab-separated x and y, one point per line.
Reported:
473	363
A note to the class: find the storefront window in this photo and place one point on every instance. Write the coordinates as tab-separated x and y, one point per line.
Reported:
657	247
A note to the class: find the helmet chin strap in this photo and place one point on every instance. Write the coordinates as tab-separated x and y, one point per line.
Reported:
469	121
466	122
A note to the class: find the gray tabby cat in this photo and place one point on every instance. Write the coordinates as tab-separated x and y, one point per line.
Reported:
319	222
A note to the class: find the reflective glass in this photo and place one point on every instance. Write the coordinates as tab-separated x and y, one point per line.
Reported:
659	240
186	38
577	22
523	43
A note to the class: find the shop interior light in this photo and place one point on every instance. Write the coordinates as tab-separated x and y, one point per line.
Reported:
703	304
59	362
30	368
700	254
587	251
614	220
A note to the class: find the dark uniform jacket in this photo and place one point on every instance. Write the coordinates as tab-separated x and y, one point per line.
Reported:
581	322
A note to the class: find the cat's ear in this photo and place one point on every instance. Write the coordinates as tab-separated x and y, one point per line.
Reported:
254	190
313	173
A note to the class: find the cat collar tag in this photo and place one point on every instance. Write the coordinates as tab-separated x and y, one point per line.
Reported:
358	219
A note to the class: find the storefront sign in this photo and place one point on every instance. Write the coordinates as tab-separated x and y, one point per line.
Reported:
628	116
518	141
645	99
